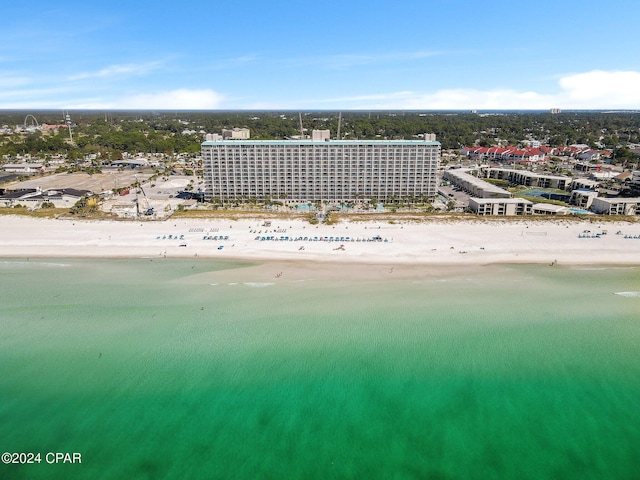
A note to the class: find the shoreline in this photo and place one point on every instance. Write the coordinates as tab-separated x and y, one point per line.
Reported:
435	243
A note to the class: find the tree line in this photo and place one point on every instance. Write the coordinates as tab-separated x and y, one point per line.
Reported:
108	134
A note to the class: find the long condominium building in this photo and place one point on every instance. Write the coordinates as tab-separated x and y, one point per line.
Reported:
312	171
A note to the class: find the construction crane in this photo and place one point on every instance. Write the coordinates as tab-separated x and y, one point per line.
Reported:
301	128
149	209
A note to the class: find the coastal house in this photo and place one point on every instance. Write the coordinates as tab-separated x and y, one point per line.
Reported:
586	167
602	175
589	155
524	155
11	199
623	178
189	204
130	163
65	197
23	168
500	206
33	198
549	209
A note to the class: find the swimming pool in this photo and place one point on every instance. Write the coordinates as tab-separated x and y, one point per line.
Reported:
579	211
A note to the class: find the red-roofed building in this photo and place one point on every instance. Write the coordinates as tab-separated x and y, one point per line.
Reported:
506	154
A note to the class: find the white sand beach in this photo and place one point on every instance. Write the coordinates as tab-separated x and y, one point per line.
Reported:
437	242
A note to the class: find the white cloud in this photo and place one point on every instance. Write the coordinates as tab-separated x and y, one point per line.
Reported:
480	99
449	99
45	97
179	99
590	90
603	89
587	90
118	71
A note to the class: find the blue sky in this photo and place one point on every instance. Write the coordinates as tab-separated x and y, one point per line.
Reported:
337	55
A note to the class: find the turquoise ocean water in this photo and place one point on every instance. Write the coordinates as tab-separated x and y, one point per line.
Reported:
151	370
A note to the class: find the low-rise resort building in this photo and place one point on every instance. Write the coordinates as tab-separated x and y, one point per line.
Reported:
475	186
529	179
500	206
616	206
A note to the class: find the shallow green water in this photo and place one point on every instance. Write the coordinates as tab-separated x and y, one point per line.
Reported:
150	371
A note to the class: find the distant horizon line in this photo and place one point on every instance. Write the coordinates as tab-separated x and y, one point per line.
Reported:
352	110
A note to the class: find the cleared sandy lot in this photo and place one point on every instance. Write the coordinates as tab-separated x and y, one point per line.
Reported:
96	183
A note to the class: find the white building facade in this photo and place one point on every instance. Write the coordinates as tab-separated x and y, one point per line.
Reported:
500	206
616	206
332	171
529	179
474	186
236	133
321	135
